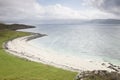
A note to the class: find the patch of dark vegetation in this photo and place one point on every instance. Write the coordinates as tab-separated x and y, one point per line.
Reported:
98	75
14	26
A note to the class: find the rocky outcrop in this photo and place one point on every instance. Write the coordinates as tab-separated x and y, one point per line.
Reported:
98	75
114	67
34	36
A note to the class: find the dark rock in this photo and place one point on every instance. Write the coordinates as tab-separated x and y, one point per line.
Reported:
100	74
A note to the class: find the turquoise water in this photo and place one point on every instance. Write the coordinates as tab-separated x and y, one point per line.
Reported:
84	41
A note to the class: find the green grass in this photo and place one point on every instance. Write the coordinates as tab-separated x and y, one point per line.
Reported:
14	68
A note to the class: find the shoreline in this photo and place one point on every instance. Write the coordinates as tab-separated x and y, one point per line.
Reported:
21	48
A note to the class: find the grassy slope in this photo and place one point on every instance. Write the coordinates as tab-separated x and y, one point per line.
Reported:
14	68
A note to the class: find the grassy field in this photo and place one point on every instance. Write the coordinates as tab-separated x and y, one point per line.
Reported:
14	68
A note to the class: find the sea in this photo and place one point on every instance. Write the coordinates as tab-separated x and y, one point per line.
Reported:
93	42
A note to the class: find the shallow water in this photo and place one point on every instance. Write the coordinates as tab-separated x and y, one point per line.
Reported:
83	41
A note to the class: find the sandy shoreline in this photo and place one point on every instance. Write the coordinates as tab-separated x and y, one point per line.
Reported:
21	48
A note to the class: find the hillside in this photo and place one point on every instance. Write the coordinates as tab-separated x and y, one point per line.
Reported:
14	26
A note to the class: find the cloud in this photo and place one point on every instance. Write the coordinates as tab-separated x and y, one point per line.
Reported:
59	11
110	6
62	12
32	10
22	9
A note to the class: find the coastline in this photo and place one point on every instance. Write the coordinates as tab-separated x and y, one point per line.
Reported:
13	67
21	48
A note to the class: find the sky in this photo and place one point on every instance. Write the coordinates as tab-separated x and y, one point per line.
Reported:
35	10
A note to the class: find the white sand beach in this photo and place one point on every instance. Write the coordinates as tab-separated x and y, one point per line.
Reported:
21	48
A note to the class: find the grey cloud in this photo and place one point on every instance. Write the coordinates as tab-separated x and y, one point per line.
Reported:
31	10
18	9
111	6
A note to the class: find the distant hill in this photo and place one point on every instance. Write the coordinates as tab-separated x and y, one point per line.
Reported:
74	22
14	26
104	21
64	22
